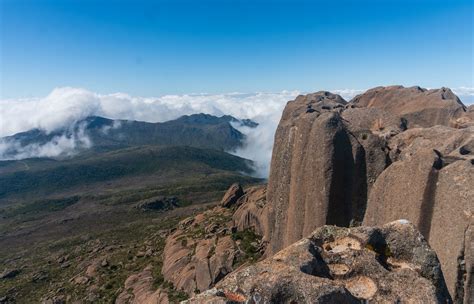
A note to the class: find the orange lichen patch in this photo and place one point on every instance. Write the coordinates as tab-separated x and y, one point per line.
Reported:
398	264
233	296
362	287
339	269
342	244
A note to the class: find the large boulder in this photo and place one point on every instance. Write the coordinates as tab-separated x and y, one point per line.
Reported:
431	183
232	195
317	174
420	107
253	211
391	153
389	264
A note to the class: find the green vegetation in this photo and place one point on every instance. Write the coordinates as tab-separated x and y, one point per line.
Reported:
248	240
128	163
174	295
41	206
58	218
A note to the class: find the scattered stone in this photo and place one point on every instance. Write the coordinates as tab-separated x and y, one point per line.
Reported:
40	276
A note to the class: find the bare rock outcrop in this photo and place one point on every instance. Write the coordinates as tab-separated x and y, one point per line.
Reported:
389	264
314	155
200	251
430	183
253	211
139	290
207	247
419	106
232	195
391	153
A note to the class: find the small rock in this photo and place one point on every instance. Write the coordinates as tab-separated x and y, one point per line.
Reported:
9	273
40	276
81	280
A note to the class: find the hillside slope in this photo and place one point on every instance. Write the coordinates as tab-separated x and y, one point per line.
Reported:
102	134
43	177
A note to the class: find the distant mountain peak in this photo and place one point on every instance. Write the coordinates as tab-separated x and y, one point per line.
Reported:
104	134
202	118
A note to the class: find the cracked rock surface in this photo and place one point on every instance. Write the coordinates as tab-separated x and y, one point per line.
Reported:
387	264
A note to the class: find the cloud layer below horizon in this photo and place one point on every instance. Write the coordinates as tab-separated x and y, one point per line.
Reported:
65	106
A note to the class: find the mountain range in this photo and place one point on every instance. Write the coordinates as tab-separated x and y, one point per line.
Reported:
102	134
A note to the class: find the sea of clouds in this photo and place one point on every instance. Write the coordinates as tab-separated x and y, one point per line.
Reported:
64	107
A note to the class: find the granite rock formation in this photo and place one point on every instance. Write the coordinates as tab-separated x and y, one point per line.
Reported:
390	153
389	264
232	195
205	248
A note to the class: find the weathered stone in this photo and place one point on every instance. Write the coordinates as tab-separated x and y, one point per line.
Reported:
232	195
319	170
420	107
139	289
384	156
385	264
252	211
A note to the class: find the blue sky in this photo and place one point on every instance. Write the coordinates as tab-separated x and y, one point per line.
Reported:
151	48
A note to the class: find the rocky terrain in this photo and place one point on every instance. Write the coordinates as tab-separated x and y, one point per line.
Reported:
390	154
367	200
389	264
73	230
201	250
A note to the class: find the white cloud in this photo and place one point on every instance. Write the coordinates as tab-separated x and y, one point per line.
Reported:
63	107
58	146
465	94
348	94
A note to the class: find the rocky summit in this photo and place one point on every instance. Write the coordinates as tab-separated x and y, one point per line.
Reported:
369	200
390	153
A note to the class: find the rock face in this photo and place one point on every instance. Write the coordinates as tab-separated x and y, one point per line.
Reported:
207	247
390	153
253	211
232	195
139	290
389	264
420	107
431	184
322	166
200	252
